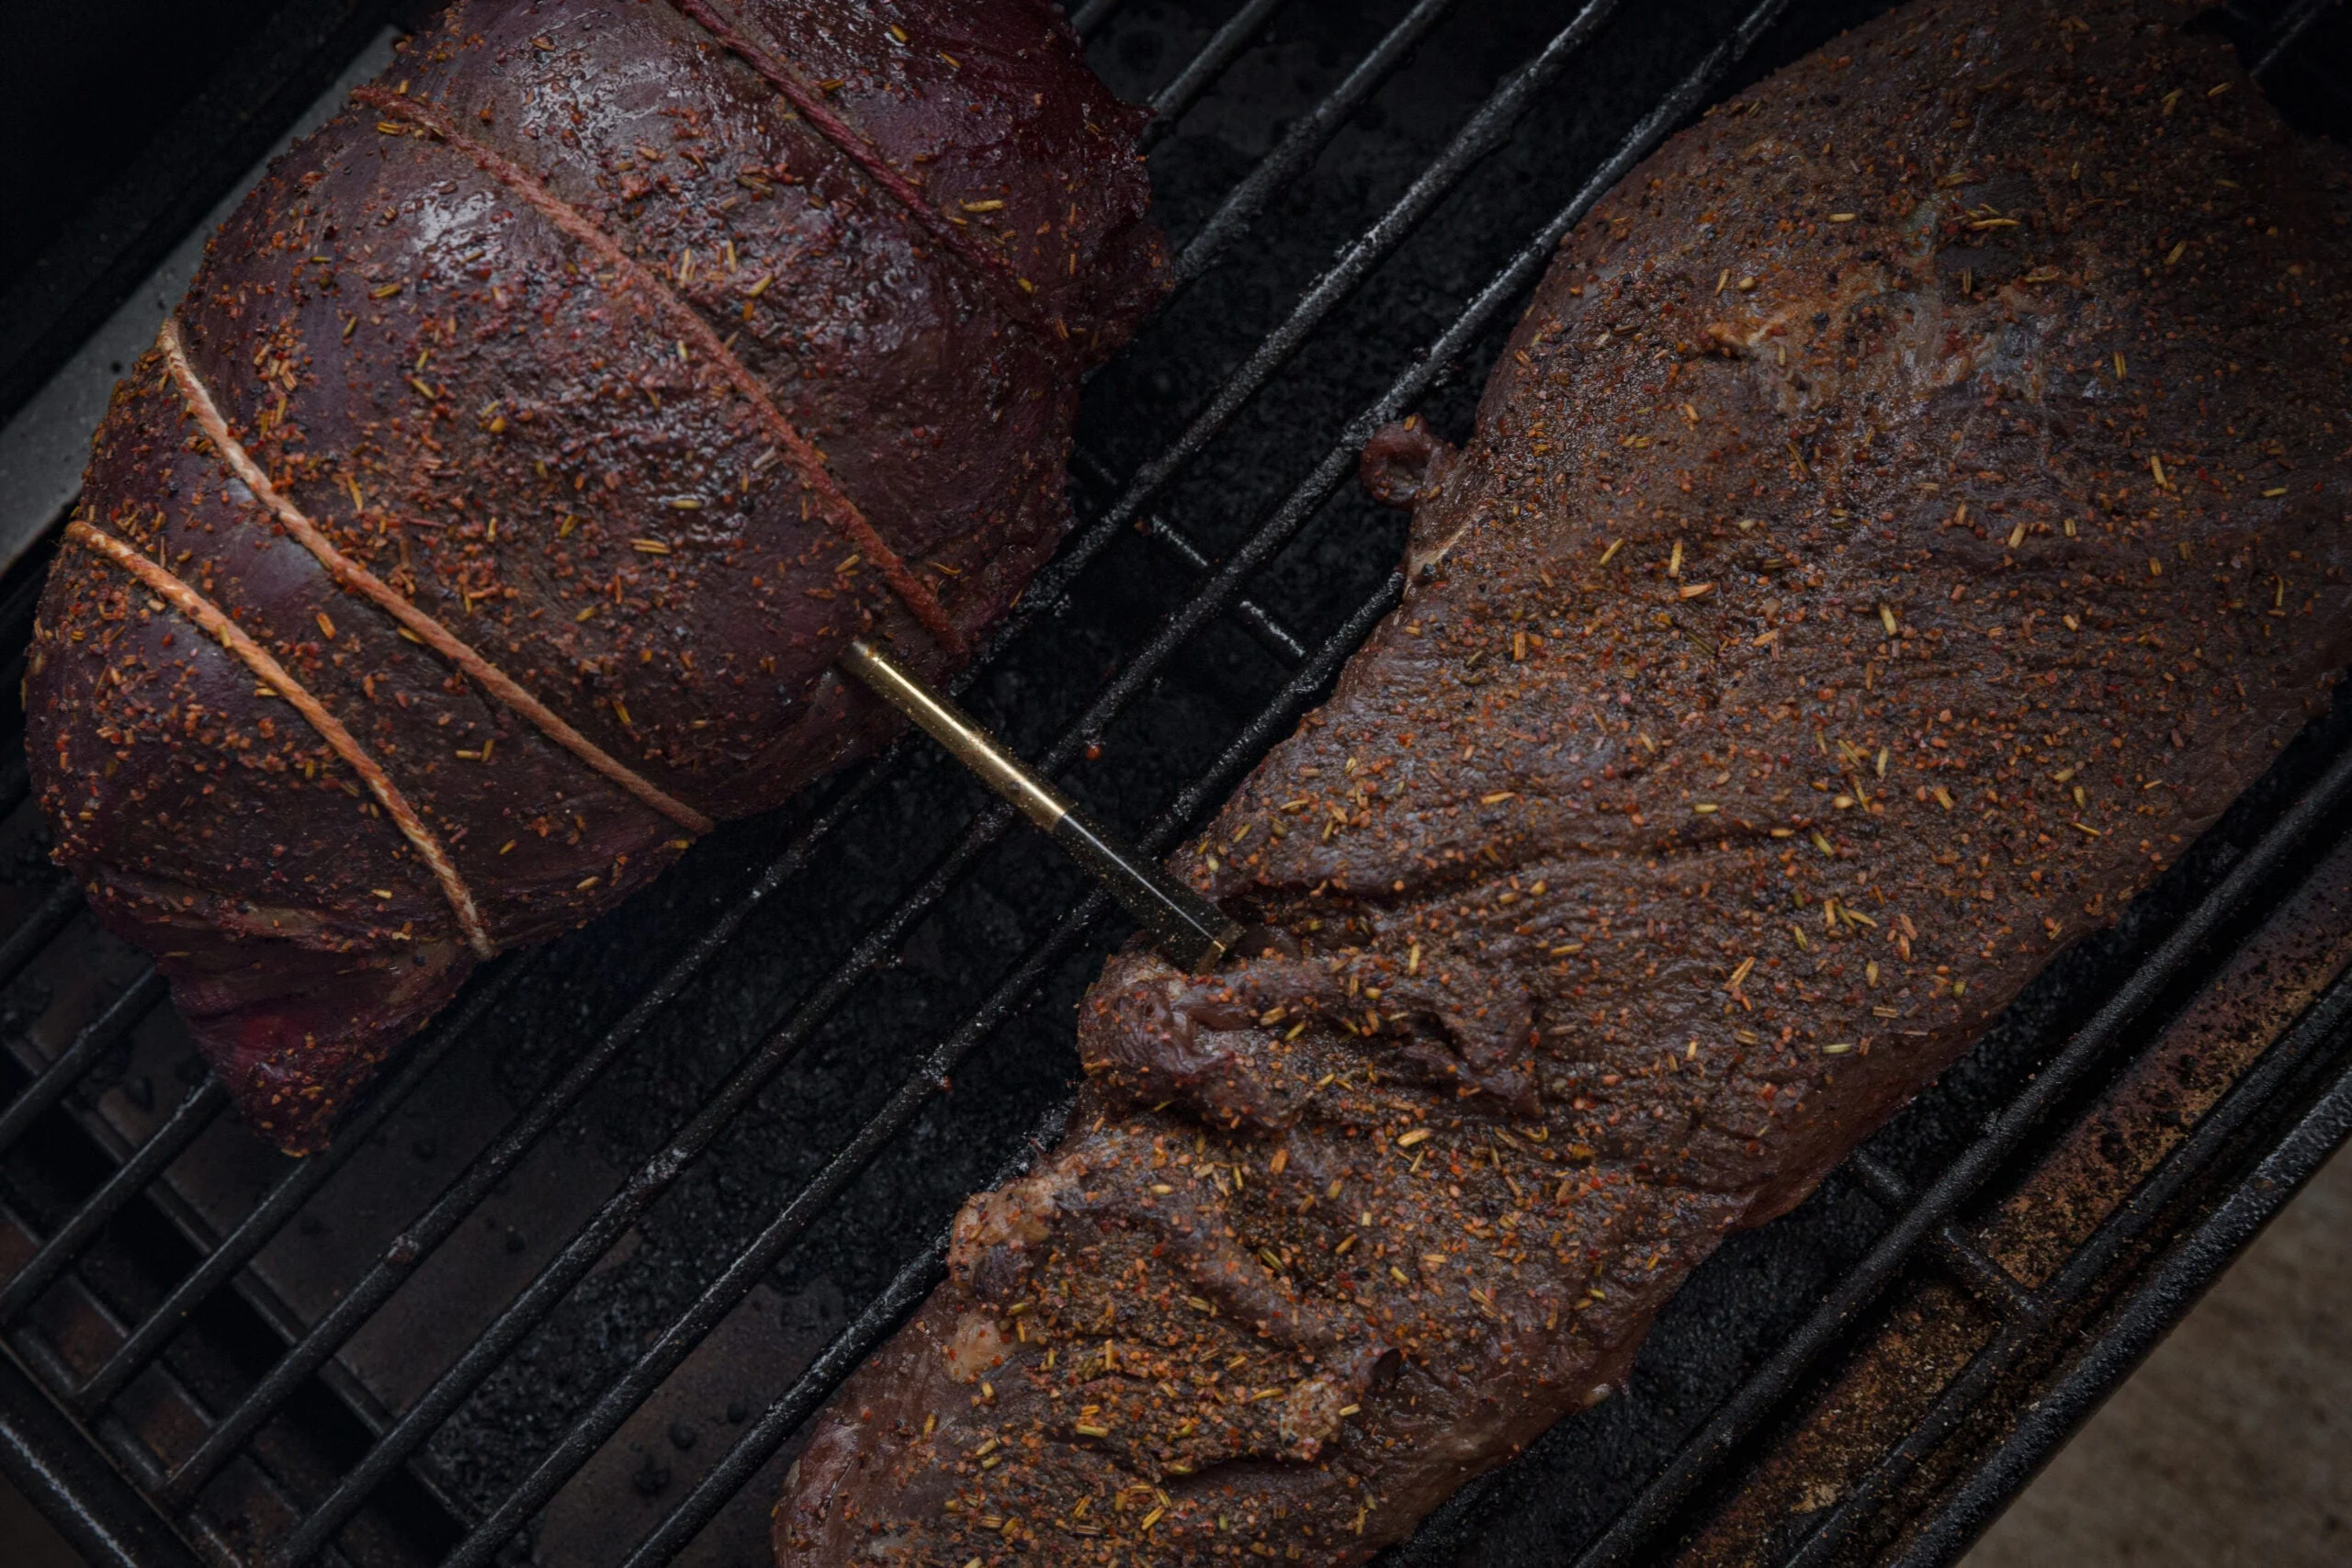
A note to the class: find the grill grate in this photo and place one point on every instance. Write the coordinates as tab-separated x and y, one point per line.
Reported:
1924	1219
278	1406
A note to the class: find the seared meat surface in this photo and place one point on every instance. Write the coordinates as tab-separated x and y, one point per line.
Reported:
1913	507
486	521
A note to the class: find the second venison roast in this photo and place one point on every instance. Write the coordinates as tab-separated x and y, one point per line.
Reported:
1913	507
486	520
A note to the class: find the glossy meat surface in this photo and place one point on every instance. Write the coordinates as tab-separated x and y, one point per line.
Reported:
1913	508
551	419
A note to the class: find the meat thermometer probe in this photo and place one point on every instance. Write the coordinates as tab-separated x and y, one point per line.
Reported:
1187	929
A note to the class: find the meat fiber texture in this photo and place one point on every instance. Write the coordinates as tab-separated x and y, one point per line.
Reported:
1914	505
487	518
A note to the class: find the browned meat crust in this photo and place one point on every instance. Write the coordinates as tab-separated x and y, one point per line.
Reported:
535	434
1915	505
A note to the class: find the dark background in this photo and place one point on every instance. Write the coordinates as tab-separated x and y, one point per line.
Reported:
83	86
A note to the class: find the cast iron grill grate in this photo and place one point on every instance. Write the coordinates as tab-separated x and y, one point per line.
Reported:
572	1278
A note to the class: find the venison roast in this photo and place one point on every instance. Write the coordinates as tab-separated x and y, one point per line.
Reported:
1913	507
485	521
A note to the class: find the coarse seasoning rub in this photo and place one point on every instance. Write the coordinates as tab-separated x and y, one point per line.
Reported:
486	520
1914	505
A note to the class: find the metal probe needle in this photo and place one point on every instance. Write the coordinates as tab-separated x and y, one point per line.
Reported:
1187	928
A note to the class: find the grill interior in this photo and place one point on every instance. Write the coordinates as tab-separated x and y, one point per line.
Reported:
569	1281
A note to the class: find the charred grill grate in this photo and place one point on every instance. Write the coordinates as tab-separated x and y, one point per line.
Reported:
574	1275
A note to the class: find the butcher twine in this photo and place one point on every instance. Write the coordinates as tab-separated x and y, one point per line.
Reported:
216	623
839	512
1012	290
356	579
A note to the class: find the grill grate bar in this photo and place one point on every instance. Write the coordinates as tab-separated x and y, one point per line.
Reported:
1993	1286
1481	134
194	1114
2292	25
1748	1406
1301	143
2321	1023
1225	45
286	1198
136	1459
1092	14
1261	622
613	1407
61	903
2191	1264
109	1525
98	1036
1256	618
1266	541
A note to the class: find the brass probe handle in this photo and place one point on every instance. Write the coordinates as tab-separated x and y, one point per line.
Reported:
1187	928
